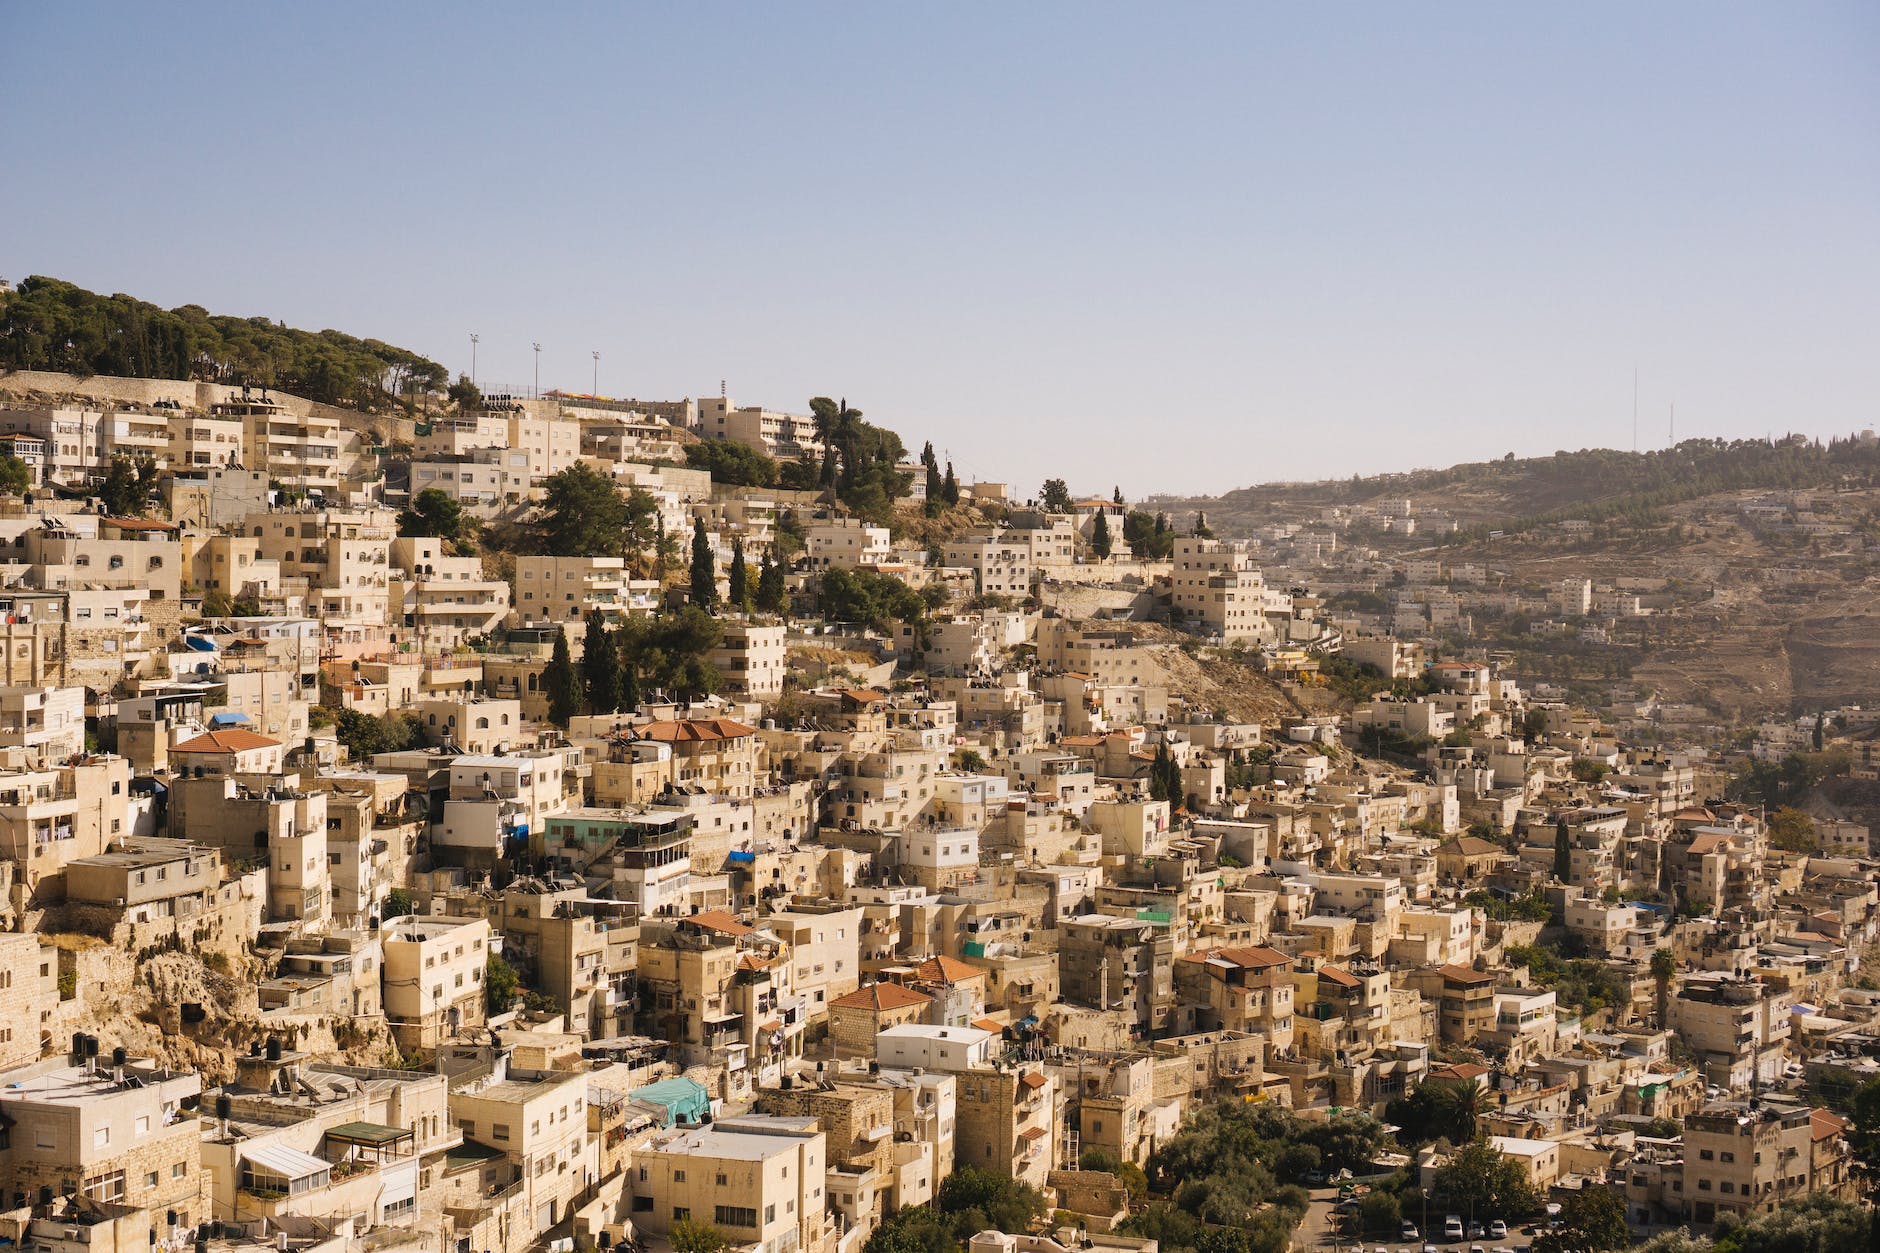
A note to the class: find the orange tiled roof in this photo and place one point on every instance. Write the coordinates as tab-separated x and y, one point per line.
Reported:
1343	978
1464	974
718	920
695	730
1823	1125
229	740
881	996
944	969
1033	1079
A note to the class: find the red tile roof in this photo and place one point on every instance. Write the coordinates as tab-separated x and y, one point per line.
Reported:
1342	978
1823	1125
944	969
695	730
881	996
718	920
1464	974
231	740
1033	1079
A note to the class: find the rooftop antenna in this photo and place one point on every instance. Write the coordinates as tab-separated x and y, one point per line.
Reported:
722	392
1634	408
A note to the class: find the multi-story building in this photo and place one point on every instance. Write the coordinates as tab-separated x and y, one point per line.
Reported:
538	1123
760	1180
433	984
106	1127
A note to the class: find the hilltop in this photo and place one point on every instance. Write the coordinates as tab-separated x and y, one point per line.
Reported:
48	324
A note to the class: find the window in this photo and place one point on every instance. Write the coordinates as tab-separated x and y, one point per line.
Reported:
735	1216
499	1131
179	1170
678	1176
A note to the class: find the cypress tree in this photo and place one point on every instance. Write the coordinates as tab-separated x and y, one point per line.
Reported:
600	667
1563	855
561	683
739	597
626	646
704	569
1100	537
950	486
771	597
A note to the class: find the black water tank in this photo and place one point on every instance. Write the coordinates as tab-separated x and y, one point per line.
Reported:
120	1055
224	1106
274	1048
78	1045
91	1046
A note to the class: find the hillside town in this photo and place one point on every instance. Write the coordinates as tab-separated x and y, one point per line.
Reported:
501	822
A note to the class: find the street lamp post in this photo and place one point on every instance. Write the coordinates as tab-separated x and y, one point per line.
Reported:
475	339
597	372
538	371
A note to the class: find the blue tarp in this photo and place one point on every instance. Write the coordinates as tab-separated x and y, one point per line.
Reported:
227	719
737	855
684	1100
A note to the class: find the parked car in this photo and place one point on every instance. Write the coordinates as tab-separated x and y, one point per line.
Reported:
1452	1227
1409	1234
1476	1232
1498	1230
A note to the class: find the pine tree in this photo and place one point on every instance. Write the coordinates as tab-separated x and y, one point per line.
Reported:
1202	530
739	596
1100	537
561	683
600	666
704	569
771	597
1116	494
1158	774
950	487
1821	731
1563	852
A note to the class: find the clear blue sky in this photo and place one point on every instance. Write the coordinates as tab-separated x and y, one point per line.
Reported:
1179	248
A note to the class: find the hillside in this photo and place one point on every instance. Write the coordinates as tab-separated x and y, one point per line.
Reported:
1513	495
48	324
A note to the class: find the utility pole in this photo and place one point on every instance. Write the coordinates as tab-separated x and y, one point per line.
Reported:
538	371
597	372
475	339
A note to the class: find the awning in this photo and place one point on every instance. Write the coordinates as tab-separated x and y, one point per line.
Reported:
278	1159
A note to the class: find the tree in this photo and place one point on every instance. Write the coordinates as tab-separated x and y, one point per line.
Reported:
1863	1142
1563	851
1439	1109
1100	537
1146	541
935	485
861	461
872	599
969	761
467	396
1791	830
950	487
432	513
600	666
704	568
771	595
1592	1220
1380	1214
397	905
693	1235
1664	969
626	646
1202	530
739	596
732	463
16	477
500	984
585	514
126	490
1484	1183
561	684
1116	496
1821	730
1056	497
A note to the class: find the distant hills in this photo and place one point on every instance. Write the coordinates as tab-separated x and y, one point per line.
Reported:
49	324
1512	494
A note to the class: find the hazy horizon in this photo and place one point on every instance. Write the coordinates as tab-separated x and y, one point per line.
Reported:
1307	244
